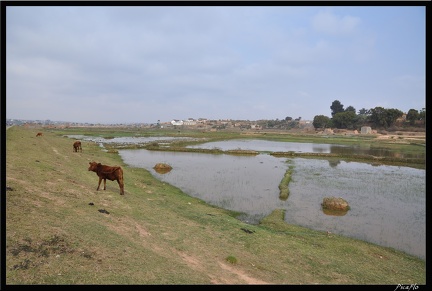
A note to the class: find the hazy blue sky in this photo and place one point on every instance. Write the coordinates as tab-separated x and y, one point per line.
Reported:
144	64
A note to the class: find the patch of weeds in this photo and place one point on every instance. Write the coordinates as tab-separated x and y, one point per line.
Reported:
30	250
22	248
24	265
54	244
283	185
87	254
231	260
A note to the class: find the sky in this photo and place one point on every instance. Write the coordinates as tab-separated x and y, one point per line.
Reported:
144	64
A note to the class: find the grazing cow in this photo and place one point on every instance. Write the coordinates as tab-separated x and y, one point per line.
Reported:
39	134
107	172
77	146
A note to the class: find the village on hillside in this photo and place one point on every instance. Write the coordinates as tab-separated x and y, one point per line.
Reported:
190	123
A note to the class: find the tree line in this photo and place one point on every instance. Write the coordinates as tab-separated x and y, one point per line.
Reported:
378	117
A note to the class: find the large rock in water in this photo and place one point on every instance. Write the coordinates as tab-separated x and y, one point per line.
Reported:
162	168
336	204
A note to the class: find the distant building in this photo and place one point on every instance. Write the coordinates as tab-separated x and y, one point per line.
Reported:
255	126
190	121
366	130
177	122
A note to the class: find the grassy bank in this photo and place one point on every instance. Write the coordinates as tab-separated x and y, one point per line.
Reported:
60	230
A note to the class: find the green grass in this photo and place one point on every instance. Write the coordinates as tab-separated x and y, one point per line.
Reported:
283	185
155	233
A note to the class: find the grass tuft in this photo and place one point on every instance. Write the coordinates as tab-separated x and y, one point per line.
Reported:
231	260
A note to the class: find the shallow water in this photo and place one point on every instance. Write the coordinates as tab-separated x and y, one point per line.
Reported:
274	146
387	202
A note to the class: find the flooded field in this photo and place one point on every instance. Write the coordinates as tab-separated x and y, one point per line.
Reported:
273	146
388	203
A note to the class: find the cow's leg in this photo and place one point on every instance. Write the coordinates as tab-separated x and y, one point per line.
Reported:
121	184
100	180
104	184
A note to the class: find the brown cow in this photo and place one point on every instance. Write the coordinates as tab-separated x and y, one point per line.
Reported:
39	134
77	146
107	172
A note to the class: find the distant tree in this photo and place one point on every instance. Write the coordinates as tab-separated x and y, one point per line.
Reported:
422	114
336	107
362	117
392	115
345	119
412	116
381	117
364	111
321	121
271	123
288	118
350	108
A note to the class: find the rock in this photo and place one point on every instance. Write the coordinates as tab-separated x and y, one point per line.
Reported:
162	168
336	204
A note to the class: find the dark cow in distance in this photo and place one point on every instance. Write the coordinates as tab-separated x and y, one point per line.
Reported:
39	134
77	146
107	172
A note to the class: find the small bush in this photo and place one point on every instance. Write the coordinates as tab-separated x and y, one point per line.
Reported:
231	260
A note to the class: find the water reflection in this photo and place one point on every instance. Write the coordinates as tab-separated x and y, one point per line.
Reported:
237	183
268	146
334	212
387	202
273	146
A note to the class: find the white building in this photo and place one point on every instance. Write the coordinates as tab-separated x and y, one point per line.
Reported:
177	122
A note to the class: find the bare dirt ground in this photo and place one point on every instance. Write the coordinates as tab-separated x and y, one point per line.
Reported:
410	136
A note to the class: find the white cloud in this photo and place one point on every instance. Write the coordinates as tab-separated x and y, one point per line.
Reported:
149	63
329	23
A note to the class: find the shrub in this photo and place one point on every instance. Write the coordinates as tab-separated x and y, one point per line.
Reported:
231	259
